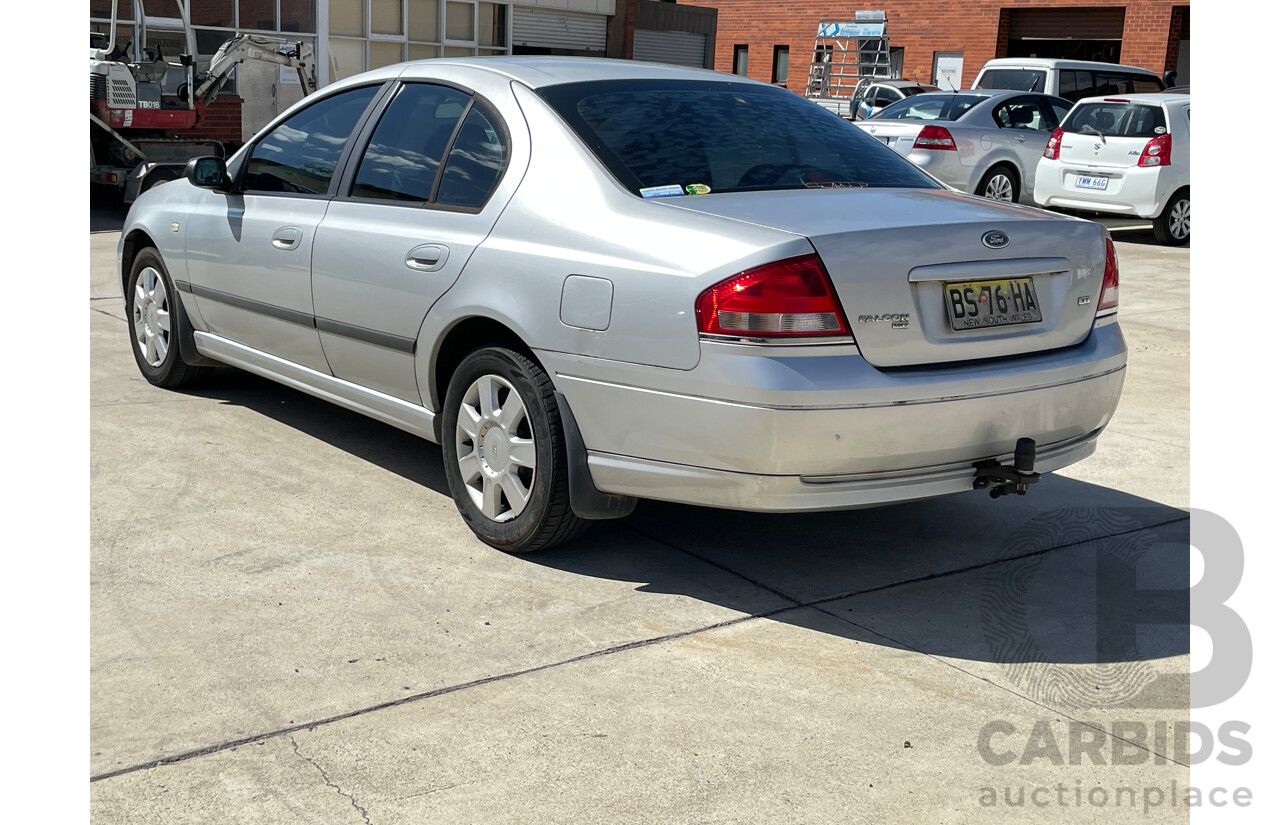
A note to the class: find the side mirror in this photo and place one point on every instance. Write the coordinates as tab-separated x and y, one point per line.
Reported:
208	173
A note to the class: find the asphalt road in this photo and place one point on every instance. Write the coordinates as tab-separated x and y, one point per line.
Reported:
290	623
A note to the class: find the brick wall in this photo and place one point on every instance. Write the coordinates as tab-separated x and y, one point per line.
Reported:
222	120
921	27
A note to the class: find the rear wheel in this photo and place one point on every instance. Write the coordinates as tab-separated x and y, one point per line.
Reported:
1000	184
1173	227
504	453
155	324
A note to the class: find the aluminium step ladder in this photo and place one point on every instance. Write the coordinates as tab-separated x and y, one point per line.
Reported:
848	56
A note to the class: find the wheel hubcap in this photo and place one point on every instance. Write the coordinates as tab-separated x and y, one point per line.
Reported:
151	317
1000	188
496	452
1180	220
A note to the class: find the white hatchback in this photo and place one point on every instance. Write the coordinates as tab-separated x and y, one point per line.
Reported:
1125	155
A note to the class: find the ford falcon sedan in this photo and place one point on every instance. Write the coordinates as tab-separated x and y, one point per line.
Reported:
598	281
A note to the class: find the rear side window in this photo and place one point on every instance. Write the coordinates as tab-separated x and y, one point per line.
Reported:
1116	120
300	155
476	160
664	137
931	107
411	137
1022	80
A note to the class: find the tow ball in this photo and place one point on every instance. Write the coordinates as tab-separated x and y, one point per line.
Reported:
1002	479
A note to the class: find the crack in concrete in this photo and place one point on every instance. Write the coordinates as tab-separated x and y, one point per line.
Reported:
795	604
363	813
108	314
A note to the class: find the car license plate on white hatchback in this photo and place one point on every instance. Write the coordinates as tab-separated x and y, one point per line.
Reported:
1092	182
983	304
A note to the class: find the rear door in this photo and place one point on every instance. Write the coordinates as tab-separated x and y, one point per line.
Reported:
414	206
1026	122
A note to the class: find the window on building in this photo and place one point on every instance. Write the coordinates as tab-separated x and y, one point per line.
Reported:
781	57
740	60
258	14
896	56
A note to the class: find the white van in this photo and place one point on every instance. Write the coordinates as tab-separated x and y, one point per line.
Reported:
1070	79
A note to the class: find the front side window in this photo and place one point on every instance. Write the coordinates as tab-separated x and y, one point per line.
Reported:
410	139
722	137
300	155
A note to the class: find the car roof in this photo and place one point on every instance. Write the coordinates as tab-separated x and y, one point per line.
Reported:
900	82
539	71
1143	97
1055	63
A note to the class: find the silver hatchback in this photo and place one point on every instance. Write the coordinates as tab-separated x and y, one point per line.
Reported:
593	282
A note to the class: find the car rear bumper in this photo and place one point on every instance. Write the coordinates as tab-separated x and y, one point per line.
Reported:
1130	191
780	432
624	475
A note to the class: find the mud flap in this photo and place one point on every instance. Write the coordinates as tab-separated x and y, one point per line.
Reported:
587	502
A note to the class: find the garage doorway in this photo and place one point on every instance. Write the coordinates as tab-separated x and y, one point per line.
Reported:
1066	34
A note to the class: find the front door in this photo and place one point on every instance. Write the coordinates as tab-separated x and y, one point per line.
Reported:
249	252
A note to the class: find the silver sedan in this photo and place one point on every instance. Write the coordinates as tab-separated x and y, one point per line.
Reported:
593	282
976	141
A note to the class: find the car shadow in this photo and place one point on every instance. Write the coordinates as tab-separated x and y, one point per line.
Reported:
1073	574
107	212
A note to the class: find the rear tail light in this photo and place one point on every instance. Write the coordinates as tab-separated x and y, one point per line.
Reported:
934	137
1110	297
788	298
1054	145
1158	151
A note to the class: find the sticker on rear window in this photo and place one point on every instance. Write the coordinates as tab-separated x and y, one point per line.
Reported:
1160	130
697	189
662	191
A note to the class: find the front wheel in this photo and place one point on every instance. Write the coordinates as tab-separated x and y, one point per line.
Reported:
1173	227
155	324
504	453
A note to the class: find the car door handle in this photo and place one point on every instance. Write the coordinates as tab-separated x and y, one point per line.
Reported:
1020	138
427	258
287	237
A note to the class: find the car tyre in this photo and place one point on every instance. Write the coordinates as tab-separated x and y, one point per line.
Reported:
1173	227
155	324
1000	183
505	456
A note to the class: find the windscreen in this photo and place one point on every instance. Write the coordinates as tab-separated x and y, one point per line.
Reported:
675	137
1116	119
930	107
1022	80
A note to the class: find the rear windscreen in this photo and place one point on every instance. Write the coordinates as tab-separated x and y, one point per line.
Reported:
1022	80
1116	120
930	107
673	136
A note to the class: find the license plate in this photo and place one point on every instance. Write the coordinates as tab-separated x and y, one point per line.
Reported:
983	304
1091	182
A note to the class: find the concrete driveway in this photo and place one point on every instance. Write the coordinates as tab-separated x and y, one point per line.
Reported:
290	623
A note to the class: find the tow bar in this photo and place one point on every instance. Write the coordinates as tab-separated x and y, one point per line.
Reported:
1002	480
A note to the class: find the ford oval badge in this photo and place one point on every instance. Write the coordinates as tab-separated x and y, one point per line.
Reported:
995	239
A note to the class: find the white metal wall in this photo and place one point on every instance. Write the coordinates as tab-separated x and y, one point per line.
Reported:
557	28
680	48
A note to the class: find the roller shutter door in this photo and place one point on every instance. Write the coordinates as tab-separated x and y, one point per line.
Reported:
680	48
1066	24
555	29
